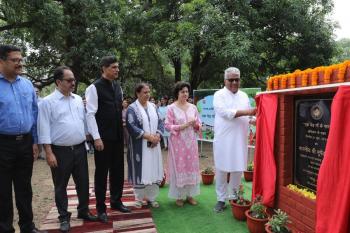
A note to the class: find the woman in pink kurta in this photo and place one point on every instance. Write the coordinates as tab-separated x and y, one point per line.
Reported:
183	123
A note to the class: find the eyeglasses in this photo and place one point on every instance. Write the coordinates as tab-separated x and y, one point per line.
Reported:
70	80
16	60
233	80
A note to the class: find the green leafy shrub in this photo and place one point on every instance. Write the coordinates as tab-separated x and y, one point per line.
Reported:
208	171
278	222
258	210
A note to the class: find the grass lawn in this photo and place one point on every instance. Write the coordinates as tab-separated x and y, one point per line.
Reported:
170	218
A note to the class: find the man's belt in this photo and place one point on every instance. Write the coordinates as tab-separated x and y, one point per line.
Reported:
18	137
74	147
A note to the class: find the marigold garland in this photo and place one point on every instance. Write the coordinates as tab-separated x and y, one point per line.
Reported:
310	77
304	192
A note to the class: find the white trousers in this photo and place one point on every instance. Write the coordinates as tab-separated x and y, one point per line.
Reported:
150	192
224	190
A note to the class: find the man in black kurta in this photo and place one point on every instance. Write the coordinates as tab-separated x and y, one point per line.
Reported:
104	119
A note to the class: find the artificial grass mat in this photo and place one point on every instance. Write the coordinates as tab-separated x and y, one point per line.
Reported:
170	218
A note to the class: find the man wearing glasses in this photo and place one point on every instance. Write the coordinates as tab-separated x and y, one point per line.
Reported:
231	123
62	130
18	141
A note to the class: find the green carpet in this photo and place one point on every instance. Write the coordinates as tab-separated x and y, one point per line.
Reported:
170	218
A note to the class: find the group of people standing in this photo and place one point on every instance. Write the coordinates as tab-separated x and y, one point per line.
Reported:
145	165
63	124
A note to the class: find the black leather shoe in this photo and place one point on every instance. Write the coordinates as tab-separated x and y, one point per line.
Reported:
36	230
120	207
88	217
102	217
64	226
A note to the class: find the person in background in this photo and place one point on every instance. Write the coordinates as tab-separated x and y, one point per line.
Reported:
232	111
144	154
183	160
170	101
18	141
152	100
162	110
158	103
125	130
104	119
190	100
62	130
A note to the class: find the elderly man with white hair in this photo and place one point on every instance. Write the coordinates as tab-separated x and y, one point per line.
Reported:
232	109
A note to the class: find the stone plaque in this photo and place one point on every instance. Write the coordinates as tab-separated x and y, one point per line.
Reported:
312	120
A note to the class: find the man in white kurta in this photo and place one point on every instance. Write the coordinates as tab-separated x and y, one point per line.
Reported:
232	111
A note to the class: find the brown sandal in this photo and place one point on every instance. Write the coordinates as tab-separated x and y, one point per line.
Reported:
179	203
192	201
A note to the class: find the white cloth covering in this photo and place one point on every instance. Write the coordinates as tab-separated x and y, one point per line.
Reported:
152	163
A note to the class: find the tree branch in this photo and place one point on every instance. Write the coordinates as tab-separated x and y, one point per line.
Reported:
16	25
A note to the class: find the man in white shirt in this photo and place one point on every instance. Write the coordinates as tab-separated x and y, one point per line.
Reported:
62	130
232	109
104	119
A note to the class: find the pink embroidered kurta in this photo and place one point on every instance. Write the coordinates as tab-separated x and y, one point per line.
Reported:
183	159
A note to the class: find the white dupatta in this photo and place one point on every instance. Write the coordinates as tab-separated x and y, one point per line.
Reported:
152	162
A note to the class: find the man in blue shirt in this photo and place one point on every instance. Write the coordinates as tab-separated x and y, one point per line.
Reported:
18	141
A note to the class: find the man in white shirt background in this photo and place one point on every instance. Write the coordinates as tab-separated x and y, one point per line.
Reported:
231	123
104	119
62	130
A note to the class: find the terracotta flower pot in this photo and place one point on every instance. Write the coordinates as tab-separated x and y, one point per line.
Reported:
268	229
207	178
255	225
238	211
248	175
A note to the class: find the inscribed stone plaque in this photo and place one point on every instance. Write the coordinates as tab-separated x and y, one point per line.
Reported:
312	122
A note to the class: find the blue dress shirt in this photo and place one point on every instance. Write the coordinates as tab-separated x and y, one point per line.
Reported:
18	107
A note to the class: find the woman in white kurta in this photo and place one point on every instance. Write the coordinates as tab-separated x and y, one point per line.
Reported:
145	164
232	109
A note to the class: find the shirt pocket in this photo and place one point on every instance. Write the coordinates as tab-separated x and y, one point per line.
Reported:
27	97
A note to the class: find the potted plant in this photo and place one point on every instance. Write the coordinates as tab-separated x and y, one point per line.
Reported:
256	216
278	223
248	174
208	176
239	206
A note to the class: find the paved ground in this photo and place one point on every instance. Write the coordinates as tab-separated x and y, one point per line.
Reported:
43	196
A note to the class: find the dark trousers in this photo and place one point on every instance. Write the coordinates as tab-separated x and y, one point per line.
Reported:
111	160
16	167
70	161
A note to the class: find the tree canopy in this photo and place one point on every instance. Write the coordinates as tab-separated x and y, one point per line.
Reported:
164	41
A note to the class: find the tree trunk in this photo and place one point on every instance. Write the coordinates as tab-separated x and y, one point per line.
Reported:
177	66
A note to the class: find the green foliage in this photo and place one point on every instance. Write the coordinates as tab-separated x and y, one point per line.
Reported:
208	171
240	196
343	51
258	210
250	166
278	222
164	41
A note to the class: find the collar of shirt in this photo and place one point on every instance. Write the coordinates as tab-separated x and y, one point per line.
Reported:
230	92
18	77
59	94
